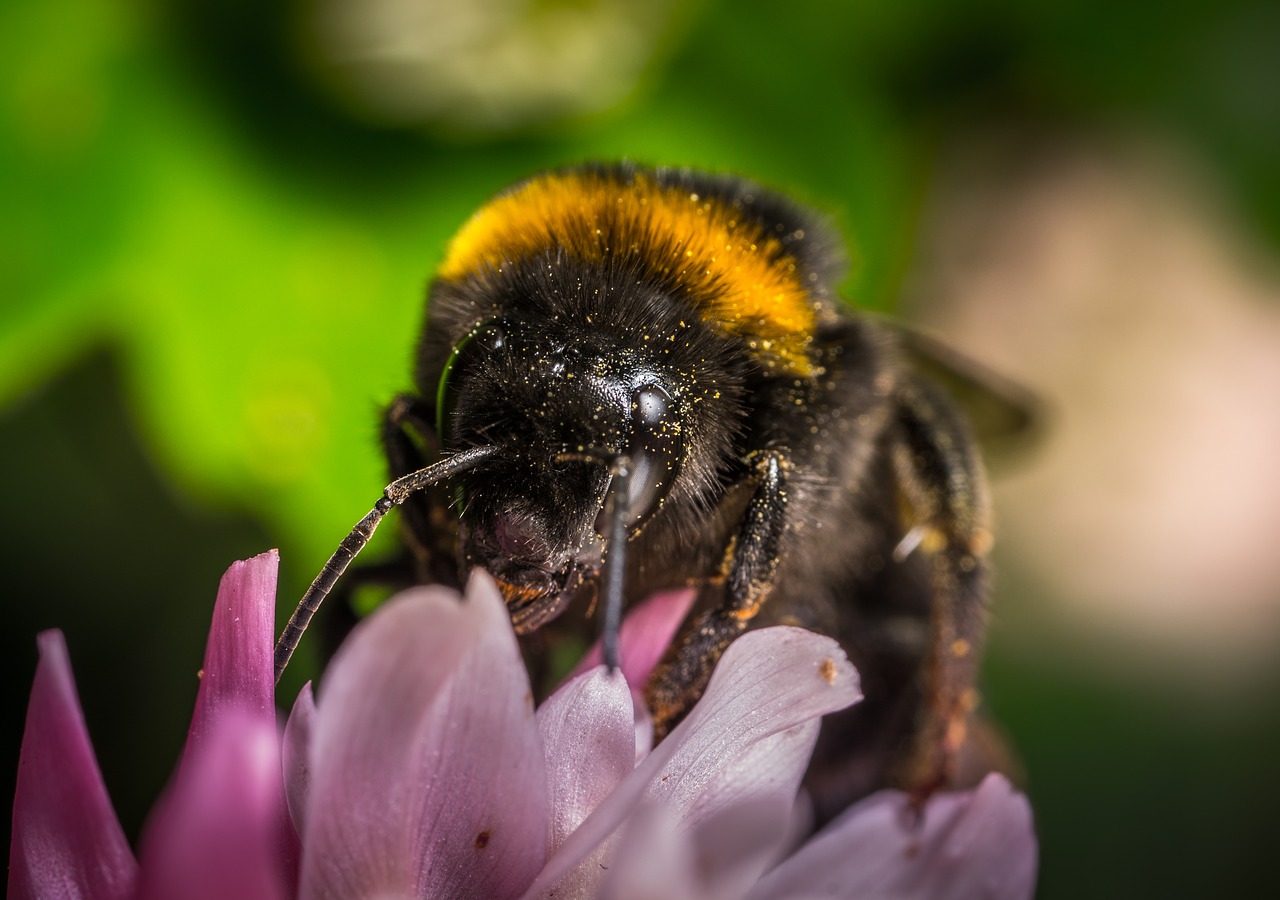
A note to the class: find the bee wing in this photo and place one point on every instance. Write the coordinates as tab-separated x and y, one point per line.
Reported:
1007	418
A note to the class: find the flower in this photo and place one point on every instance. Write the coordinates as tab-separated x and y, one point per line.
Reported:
420	768
490	67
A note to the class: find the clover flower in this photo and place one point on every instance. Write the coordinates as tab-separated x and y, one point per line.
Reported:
420	768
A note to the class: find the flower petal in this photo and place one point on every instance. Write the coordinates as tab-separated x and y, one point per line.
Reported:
238	657
214	834
645	634
702	781
658	857
653	861
768	682
296	755
427	772
644	728
588	734
752	731
977	844
67	841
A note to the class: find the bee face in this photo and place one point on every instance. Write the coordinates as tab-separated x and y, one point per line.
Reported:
562	401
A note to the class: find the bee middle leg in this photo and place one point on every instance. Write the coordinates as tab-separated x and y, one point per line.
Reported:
750	565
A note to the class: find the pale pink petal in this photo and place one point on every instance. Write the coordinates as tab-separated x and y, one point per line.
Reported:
659	857
644	728
67	841
653	861
296	756
741	818
214	834
715	850
702	781
645	634
768	682
427	772
801	822
588	734
238	670
754	777
737	841
979	844
751	733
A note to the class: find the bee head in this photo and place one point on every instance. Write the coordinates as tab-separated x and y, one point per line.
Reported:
565	403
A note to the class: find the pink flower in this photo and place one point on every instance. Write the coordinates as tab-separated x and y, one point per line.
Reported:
421	769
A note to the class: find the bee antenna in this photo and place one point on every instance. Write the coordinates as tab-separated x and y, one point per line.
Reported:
395	494
615	561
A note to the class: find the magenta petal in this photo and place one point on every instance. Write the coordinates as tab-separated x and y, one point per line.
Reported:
214	834
296	756
644	636
977	844
769	682
238	668
427	772
67	841
588	734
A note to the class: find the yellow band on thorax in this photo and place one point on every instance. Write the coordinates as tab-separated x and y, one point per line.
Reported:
740	279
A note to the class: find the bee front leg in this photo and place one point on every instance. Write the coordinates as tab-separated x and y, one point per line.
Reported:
942	487
751	562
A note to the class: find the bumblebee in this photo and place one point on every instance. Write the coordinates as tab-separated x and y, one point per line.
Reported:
634	379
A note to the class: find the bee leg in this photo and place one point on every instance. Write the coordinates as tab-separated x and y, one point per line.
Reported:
942	487
410	442
750	564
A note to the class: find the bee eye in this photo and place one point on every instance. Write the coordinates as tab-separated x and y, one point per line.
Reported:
481	342
655	448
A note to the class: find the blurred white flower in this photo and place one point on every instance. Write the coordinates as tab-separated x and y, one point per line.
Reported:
483	65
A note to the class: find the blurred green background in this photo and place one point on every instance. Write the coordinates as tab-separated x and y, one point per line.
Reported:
218	220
